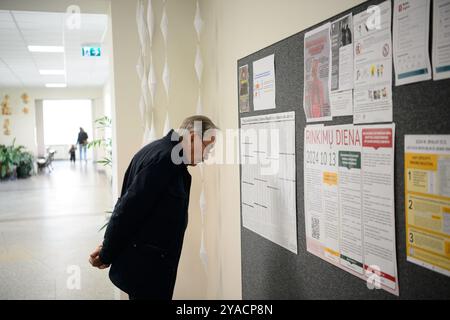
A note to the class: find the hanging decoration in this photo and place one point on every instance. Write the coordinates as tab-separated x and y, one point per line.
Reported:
6	128
164	25
25	100
198	22
198	66
166	78
145	26
6	108
140	67
141	25
152	80
150	22
166	71
167	125
199	109
152	134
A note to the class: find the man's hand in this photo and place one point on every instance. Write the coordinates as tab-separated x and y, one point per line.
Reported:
94	259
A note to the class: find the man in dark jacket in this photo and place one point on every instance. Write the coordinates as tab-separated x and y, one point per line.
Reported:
82	143
144	236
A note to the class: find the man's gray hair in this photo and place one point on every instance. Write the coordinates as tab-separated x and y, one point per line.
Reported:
194	123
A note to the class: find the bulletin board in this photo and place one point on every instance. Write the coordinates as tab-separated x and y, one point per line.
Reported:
271	272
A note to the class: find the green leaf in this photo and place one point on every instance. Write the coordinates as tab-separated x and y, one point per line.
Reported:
104	226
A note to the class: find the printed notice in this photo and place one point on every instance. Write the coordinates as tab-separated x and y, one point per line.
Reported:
341	96
341	103
373	65
427	201
268	177
244	103
264	83
342	54
411	39
441	39
349	200
317	70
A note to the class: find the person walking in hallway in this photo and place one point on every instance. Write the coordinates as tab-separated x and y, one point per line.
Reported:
72	153
82	143
144	237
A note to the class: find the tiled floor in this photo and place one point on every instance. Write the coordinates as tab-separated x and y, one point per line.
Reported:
48	226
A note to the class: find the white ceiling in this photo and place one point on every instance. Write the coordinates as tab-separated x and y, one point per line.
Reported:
20	67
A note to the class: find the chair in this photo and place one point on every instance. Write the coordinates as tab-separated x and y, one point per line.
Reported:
46	162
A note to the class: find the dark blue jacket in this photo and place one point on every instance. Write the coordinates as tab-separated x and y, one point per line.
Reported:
144	237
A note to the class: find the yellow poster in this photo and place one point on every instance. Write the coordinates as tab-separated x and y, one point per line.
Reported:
427	201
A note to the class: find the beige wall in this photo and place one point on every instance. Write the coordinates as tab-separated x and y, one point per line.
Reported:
233	29
24	127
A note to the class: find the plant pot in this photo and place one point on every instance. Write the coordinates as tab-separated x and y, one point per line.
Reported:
12	175
23	171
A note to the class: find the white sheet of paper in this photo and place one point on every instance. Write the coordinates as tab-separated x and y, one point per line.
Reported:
317	74
441	39
411	41
341	103
373	65
268	181
264	83
349	200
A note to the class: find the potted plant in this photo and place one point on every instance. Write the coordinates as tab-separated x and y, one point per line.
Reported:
9	158
14	162
25	165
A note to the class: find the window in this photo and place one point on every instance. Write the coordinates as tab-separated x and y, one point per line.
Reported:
63	119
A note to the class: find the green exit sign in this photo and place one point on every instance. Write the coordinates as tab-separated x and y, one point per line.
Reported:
91	51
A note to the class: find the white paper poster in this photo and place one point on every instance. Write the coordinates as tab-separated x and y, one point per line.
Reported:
341	103
268	182
244	101
411	41
264	83
317	74
341	95
441	39
373	65
427	201
349	200
342	54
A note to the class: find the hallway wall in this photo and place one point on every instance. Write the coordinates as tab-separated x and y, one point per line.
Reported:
23	126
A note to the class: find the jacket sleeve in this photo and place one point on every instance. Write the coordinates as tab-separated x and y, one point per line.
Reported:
135	206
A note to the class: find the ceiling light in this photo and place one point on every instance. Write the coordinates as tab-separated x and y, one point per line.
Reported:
46	48
52	72
56	85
